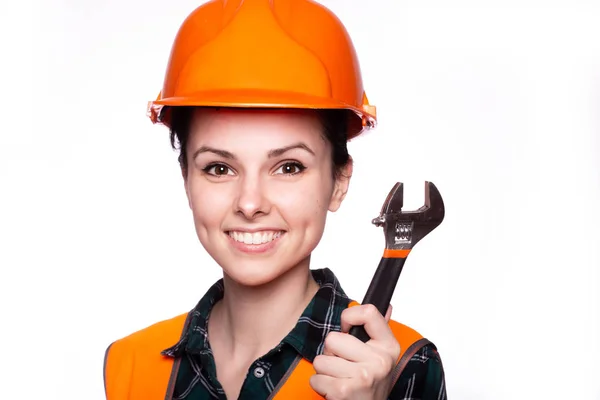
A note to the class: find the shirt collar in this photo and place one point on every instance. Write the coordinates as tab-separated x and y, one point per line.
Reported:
322	315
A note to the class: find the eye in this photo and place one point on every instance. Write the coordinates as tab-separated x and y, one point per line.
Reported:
291	168
218	170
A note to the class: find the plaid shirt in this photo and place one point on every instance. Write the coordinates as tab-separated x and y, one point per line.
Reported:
423	377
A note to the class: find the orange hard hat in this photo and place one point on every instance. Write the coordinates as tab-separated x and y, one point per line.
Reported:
267	54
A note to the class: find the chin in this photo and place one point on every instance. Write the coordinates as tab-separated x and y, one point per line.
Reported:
254	273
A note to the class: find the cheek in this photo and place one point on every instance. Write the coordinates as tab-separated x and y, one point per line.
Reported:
305	203
208	204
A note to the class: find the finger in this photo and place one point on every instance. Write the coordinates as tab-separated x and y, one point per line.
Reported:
322	384
347	347
367	315
327	350
388	314
334	366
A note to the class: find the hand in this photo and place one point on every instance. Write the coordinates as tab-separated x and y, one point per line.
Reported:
350	369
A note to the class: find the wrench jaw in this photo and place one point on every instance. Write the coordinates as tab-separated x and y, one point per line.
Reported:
394	201
404	229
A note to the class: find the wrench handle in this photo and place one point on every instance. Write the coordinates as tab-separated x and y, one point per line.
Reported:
382	287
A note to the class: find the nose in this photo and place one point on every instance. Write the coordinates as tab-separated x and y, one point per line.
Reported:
252	201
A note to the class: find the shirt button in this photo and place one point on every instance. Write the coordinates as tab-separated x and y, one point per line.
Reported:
259	372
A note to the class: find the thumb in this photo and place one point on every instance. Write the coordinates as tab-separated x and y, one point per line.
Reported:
388	313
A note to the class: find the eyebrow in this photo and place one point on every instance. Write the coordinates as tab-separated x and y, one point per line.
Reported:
272	153
280	151
206	149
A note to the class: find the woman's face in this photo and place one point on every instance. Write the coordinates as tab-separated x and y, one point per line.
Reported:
260	184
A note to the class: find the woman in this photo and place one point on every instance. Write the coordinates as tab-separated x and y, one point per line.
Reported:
261	96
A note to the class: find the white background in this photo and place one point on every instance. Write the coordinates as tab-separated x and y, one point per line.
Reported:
496	102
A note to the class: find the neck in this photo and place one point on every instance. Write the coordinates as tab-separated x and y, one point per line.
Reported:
250	321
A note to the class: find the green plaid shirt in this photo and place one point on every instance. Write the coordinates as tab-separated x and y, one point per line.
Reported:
423	377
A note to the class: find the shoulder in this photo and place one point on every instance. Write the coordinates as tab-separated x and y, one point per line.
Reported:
404	332
150	340
162	333
137	356
422	377
423	374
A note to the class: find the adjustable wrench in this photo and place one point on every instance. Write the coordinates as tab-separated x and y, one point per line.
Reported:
403	230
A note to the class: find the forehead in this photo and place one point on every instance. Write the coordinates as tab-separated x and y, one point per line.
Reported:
269	126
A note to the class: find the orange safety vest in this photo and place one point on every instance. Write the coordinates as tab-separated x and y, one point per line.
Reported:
135	369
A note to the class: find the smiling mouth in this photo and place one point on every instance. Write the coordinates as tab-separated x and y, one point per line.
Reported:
254	237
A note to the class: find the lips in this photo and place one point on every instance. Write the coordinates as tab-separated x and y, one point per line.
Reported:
259	237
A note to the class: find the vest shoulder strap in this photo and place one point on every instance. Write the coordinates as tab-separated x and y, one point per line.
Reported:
134	367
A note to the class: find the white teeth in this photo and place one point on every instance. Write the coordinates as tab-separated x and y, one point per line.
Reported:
254	238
